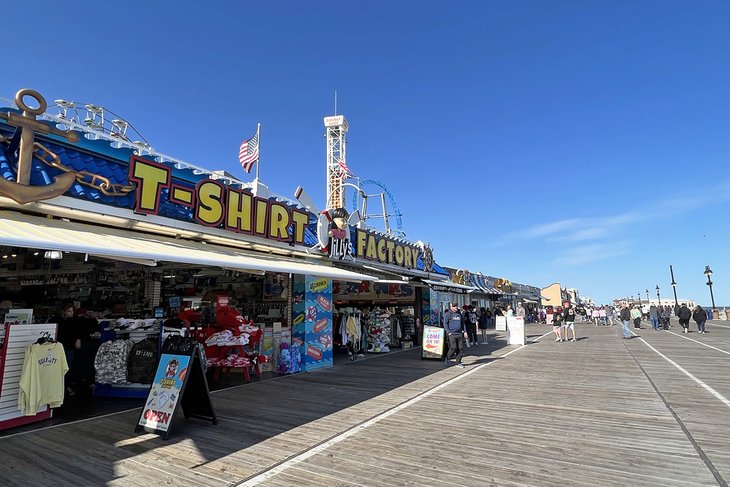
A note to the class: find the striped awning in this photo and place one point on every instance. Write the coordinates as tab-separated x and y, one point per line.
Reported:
449	287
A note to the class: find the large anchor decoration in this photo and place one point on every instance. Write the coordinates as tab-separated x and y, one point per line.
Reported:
21	191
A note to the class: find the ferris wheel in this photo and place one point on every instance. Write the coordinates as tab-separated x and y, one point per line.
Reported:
360	202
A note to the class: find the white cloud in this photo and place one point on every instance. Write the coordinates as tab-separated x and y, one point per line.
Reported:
546	229
586	229
585	254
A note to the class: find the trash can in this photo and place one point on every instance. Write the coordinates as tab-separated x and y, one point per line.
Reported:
715	314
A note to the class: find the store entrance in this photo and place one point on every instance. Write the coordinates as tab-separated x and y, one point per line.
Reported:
113	317
366	329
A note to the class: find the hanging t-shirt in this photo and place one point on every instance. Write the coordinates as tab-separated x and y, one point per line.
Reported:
143	361
41	381
111	361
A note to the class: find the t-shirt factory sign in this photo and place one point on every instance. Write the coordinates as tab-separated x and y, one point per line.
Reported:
380	248
214	204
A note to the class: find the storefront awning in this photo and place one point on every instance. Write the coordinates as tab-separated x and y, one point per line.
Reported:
449	287
19	230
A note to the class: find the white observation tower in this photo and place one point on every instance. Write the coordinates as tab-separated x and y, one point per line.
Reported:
336	127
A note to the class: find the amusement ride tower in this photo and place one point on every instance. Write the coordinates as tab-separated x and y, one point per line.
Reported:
337	172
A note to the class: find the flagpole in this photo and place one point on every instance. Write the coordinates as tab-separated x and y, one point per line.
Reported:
258	161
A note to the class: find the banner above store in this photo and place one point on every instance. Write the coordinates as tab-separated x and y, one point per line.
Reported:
214	204
386	250
98	172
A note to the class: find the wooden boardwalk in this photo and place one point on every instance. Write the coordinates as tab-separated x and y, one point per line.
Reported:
601	411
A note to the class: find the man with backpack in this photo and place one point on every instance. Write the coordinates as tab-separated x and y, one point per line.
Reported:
684	314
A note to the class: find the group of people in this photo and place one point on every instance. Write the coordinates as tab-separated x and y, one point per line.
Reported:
660	315
598	315
460	326
563	322
699	315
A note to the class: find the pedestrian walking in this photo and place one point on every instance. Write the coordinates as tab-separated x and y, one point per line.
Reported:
684	314
610	314
455	330
666	316
654	317
557	324
490	319
636	316
596	315
602	315
470	320
483	324
625	317
700	316
569	321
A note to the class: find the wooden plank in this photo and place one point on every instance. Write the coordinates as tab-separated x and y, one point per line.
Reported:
569	413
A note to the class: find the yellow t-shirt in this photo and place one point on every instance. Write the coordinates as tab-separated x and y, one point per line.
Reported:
41	381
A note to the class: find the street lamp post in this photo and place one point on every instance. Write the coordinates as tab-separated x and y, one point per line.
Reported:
708	273
674	288
647	297
657	296
639	294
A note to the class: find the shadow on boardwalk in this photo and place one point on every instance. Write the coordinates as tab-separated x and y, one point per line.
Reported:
260	424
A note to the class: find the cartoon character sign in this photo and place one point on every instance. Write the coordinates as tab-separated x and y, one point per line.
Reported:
333	233
172	366
426	256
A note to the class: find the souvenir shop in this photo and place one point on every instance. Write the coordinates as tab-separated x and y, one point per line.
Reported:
377	317
126	250
129	249
374	317
122	311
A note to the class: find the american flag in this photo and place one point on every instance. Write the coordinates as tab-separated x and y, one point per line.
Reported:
344	167
249	153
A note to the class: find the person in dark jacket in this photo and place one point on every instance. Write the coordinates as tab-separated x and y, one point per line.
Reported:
625	317
74	333
666	317
455	330
483	322
654	317
684	314
490	320
470	320
700	316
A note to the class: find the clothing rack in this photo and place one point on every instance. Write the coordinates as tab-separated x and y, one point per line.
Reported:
12	355
136	335
354	342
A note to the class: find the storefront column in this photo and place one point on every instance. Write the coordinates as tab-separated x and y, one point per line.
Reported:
312	319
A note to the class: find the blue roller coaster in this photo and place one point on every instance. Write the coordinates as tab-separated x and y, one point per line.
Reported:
359	202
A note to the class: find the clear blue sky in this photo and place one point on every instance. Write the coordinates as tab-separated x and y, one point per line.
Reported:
585	142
